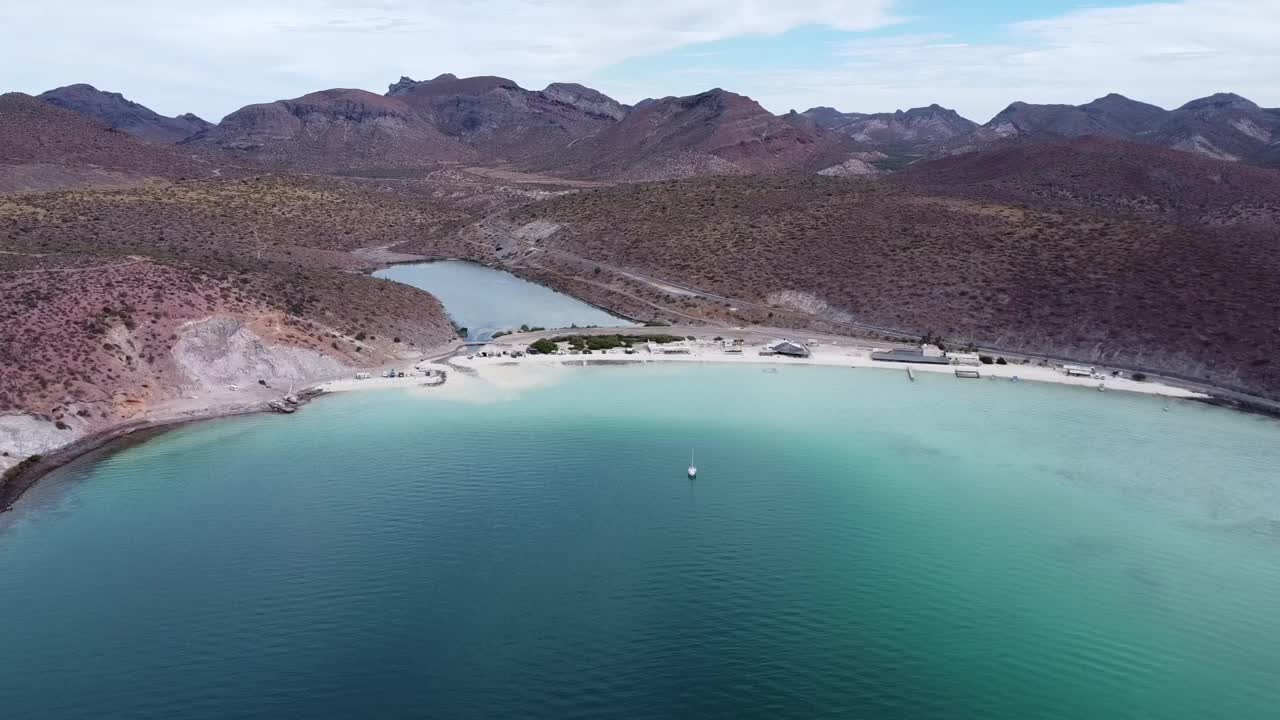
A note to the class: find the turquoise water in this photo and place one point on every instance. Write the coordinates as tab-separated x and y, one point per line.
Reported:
854	546
485	300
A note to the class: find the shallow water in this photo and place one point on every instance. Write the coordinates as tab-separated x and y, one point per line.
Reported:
485	300
855	546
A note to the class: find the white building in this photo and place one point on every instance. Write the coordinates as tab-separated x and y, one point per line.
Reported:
1078	370
669	348
790	348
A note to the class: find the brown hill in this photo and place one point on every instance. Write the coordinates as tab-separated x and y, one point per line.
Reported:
1223	126
503	122
588	100
903	134
43	147
1099	174
99	290
1067	121
712	133
116	111
333	130
1123	114
1131	288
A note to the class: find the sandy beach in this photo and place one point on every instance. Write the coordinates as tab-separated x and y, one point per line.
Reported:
483	374
830	356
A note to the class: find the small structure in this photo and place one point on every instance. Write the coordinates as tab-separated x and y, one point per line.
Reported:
963	358
732	346
789	348
669	348
927	354
362	376
1078	371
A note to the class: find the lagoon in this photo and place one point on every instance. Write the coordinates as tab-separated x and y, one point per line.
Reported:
854	546
486	301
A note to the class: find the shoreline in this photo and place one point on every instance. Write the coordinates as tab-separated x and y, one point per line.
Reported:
381	265
850	357
17	485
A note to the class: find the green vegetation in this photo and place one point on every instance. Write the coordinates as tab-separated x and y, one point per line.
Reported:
544	346
18	469
929	338
586	343
609	342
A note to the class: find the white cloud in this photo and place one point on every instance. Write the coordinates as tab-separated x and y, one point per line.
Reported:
215	57
1162	53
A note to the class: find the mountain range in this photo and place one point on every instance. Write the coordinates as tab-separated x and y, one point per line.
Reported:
574	131
1223	126
117	112
1114	232
45	147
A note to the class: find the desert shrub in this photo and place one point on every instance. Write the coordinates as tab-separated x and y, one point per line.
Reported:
544	346
18	469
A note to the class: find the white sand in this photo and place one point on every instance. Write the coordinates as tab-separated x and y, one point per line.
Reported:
487	384
496	378
837	356
377	382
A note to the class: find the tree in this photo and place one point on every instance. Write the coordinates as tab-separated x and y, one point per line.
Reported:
544	346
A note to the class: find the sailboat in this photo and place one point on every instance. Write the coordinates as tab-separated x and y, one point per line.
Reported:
693	469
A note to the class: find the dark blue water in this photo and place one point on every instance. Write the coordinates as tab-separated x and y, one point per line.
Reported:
855	546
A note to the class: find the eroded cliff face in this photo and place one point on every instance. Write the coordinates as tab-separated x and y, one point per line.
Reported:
22	436
223	350
215	365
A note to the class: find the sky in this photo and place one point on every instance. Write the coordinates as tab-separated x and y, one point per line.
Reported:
975	56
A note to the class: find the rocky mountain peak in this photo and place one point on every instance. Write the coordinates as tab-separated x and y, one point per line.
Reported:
401	86
120	113
586	99
1220	102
